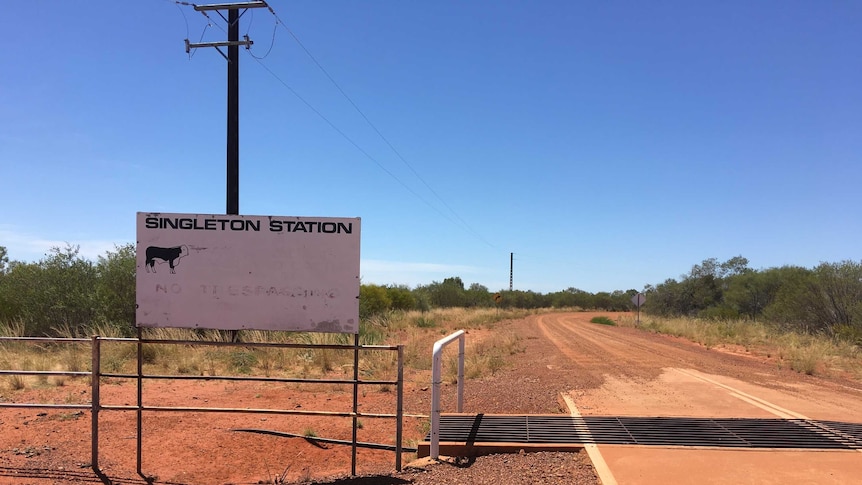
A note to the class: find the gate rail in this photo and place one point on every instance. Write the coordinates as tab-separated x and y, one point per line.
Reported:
95	405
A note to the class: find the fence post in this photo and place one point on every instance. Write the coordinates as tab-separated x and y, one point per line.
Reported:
461	374
95	397
355	402
399	411
139	413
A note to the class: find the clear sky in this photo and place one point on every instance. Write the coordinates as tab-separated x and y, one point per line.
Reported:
609	145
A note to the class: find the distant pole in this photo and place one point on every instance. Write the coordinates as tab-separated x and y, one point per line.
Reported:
233	112
511	267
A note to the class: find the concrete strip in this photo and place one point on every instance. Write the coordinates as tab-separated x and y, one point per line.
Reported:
599	464
764	404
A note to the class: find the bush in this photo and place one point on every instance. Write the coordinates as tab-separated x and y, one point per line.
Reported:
719	314
401	298
373	300
603	321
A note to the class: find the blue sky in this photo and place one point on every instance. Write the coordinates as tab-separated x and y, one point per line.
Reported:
609	145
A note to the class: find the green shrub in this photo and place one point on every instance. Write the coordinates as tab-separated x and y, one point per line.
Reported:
241	361
603	321
719	313
849	333
425	322
373	299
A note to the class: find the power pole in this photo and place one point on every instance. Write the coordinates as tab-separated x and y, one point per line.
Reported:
232	57
232	194
511	267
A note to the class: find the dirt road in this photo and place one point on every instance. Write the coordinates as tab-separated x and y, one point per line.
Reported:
626	372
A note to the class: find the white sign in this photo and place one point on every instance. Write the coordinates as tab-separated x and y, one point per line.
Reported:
248	272
638	300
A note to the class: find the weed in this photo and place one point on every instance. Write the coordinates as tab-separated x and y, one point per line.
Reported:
16	382
281	478
12	328
424	427
72	359
278	479
495	363
306	476
265	361
188	365
241	361
69	416
309	433
210	360
603	321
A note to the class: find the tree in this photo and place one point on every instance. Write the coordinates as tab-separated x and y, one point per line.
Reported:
734	266
572	297
750	292
4	260
116	286
58	292
661	300
373	299
449	293
401	298
478	296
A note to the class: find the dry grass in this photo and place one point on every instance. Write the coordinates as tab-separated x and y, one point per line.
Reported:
417	331
807	354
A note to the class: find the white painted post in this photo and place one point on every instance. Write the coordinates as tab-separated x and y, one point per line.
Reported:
436	380
461	374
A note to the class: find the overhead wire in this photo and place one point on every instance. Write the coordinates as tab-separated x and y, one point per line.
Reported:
351	141
186	20
271	44
372	125
180	4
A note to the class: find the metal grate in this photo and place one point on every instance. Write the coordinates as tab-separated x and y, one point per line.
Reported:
707	432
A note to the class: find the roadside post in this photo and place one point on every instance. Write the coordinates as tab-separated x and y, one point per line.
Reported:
638	300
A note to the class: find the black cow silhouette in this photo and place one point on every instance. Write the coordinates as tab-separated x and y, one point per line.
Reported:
170	255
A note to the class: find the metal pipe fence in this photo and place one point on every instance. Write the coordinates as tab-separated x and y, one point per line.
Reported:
96	406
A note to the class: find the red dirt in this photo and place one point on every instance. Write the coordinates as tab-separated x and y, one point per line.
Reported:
194	447
605	370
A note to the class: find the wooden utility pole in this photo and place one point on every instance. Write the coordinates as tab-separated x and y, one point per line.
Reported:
232	57
232	194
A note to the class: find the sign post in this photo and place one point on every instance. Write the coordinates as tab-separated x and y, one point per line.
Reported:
638	300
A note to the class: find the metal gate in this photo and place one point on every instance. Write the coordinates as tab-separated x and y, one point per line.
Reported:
96	407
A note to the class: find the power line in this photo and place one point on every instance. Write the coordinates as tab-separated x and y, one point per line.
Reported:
351	141
374	127
184	17
271	44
